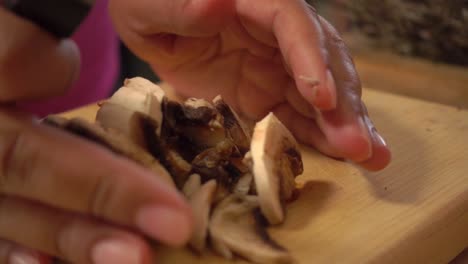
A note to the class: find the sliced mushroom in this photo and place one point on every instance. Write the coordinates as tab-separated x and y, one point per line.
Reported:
243	185
139	95
200	111
235	226
113	141
232	173
178	167
247	161
121	119
237	128
221	248
196	123
142	130
221	192
201	201
212	163
192	185
276	161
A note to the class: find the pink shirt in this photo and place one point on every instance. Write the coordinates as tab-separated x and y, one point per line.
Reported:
99	49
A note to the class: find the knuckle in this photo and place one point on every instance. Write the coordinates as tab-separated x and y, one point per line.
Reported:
18	160
102	196
66	234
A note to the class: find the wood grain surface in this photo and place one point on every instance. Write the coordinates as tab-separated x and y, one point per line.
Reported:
414	77
415	211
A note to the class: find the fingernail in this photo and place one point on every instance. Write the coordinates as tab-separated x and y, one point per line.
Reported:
365	131
165	224
331	86
313	83
380	140
116	252
69	49
23	257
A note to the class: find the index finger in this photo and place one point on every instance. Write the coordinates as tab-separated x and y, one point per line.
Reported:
46	165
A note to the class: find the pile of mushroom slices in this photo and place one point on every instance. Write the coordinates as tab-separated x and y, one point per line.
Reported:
237	177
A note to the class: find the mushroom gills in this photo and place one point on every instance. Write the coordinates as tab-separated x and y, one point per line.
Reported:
235	225
200	127
237	128
214	163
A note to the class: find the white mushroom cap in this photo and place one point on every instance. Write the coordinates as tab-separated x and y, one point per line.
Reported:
271	141
141	95
129	123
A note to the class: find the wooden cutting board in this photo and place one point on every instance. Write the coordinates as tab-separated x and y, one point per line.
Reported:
415	211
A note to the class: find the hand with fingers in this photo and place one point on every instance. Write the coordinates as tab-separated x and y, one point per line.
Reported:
65	197
61	196
261	56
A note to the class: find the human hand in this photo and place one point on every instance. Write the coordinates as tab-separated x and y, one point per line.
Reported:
62	196
66	197
33	64
261	56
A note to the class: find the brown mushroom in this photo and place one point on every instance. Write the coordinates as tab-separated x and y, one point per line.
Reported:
213	163
236	178
235	227
237	128
198	125
192	185
178	167
201	201
276	161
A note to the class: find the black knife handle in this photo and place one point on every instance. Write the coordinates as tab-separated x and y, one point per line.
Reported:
59	17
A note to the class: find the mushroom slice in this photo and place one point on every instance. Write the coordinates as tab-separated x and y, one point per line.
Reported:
235	225
176	165
212	162
130	123
201	111
242	186
142	130
237	128
141	95
192	185
197	123
112	141
276	161
201	201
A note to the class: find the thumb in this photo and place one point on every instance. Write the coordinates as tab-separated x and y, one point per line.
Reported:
193	18
33	64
